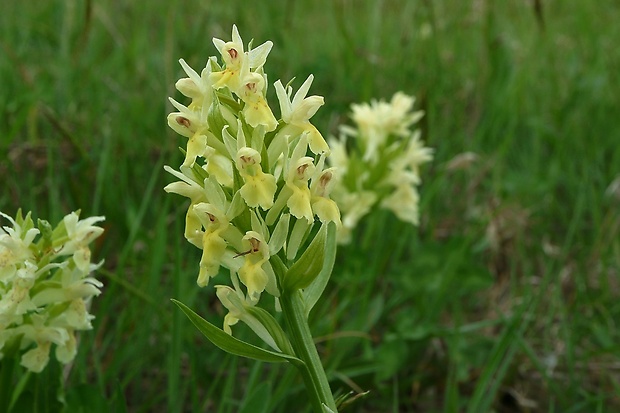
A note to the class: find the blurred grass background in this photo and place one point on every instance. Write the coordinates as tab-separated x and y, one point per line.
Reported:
505	299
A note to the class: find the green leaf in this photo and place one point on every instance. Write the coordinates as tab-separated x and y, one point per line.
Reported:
43	392
279	268
230	142
278	237
237	206
272	326
310	265
298	236
25	222
19	388
314	291
228	100
215	119
231	344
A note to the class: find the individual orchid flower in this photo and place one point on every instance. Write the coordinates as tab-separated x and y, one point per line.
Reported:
15	247
75	317
191	189
189	186
296	193
66	352
256	110
199	137
215	223
197	87
219	166
403	202
196	146
37	358
186	121
324	207
297	171
43	335
72	285
252	274
237	61
297	180
296	113
80	233
234	301
399	115
415	154
16	300
259	187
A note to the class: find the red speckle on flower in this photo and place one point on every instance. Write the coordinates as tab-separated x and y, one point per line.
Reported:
325	178
248	160
254	247
302	169
255	244
183	121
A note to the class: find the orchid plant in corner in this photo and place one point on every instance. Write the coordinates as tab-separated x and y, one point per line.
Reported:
46	287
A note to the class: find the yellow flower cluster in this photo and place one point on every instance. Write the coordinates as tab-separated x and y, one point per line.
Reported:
381	163
255	183
45	287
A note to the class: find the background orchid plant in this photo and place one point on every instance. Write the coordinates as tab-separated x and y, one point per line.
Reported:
379	162
46	288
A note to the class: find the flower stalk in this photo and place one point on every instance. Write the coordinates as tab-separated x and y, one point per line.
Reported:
259	205
312	371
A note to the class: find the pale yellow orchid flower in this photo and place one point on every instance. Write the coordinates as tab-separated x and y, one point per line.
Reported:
213	245
259	187
296	113
324	207
252	274
297	181
256	110
238	63
197	87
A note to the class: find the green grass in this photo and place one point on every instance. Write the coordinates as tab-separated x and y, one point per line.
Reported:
505	298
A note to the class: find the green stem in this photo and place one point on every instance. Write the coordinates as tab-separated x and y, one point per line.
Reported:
6	383
313	373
